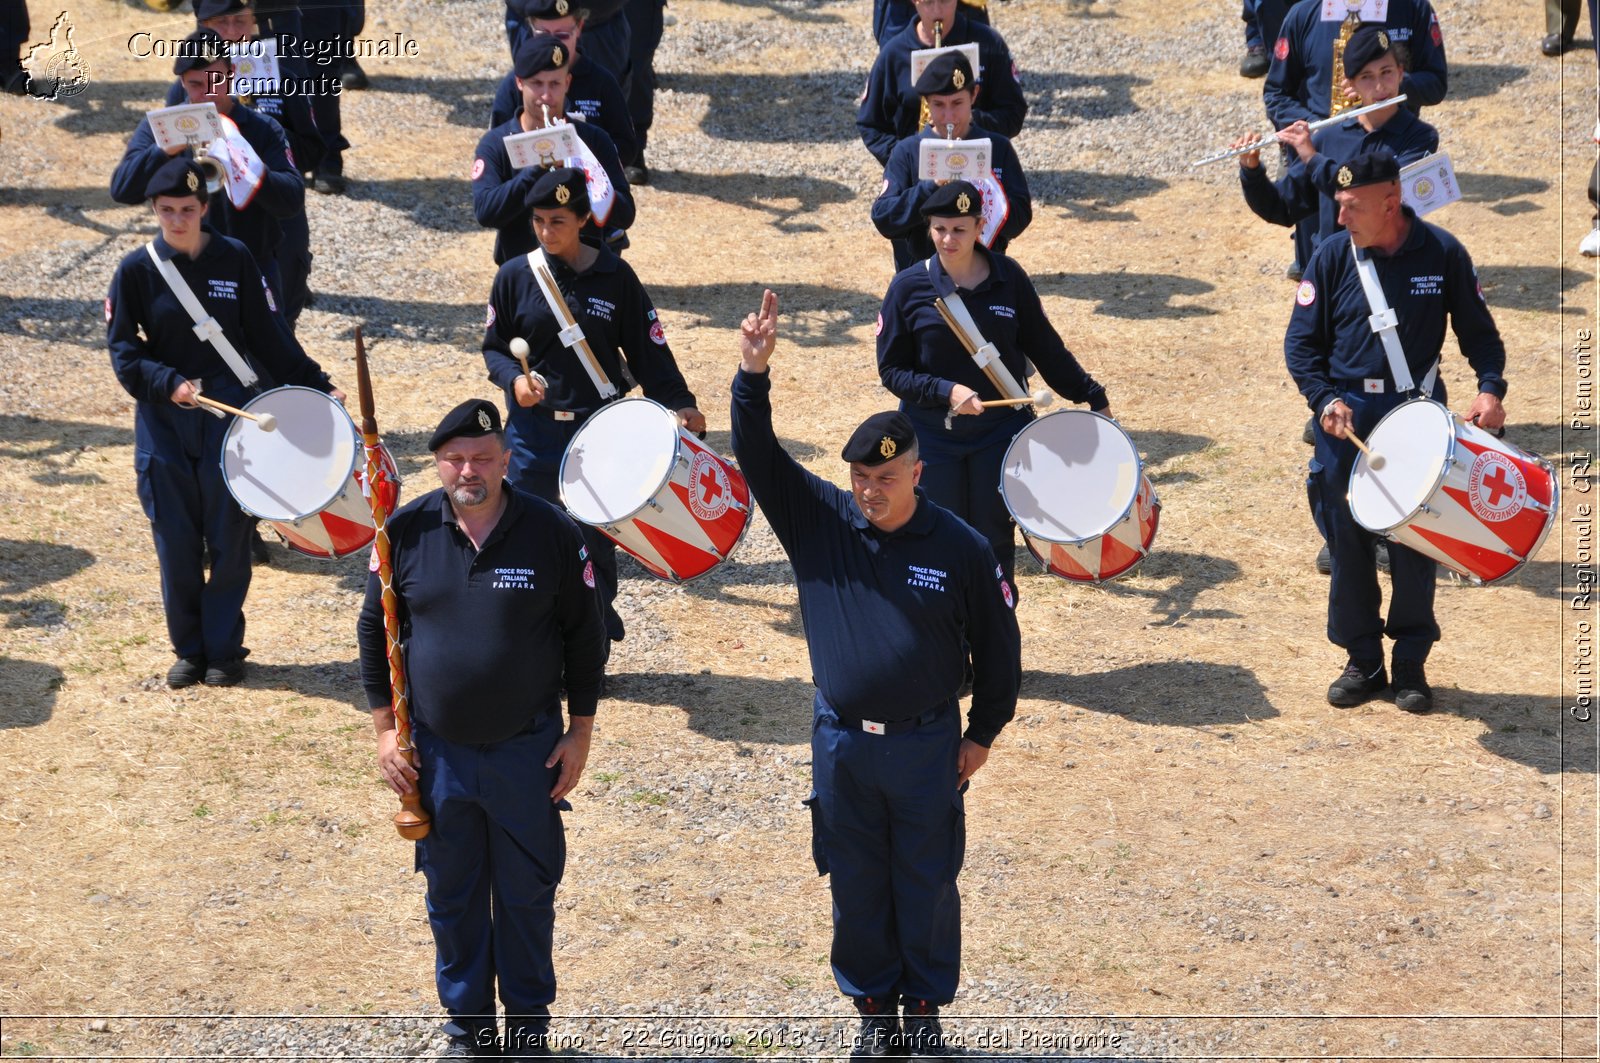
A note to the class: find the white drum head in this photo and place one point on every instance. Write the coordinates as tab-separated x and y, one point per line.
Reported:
299	469
1415	439
1070	476
619	460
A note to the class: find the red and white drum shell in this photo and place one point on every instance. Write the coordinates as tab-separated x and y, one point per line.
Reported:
306	478
655	490
1075	485
1478	505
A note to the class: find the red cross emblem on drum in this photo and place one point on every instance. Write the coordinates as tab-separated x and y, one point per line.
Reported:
1495	487
709	492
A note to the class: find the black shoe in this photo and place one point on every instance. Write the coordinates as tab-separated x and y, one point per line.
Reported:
186	672
352	76
1554	45
1255	63
259	554
921	1036
1381	552
226	673
527	1042
15	82
1325	561
459	1048
1308	437
1358	683
637	172
1411	690
1295	271
880	1029
329	184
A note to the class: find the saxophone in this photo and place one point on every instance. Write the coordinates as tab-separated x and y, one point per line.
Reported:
1338	98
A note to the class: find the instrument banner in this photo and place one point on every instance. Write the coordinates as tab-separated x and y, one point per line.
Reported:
255	67
185	124
244	168
1367	10
1429	183
951	160
543	147
921	57
996	209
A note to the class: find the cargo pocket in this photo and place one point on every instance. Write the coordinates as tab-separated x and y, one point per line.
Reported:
958	831
1314	496
142	463
819	846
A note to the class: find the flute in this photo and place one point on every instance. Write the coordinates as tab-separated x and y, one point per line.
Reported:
1273	139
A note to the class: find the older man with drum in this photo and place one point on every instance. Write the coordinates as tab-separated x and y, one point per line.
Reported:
1352	375
943	389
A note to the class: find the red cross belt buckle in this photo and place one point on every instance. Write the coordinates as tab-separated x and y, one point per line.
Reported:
873	727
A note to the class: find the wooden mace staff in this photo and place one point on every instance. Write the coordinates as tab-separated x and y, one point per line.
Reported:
411	821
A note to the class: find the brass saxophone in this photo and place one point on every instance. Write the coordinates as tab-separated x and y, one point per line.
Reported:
1338	98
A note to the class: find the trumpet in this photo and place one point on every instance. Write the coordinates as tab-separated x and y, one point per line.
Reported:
1269	141
216	173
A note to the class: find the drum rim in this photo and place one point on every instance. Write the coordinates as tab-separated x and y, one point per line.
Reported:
1438	480
677	452
1134	501
355	455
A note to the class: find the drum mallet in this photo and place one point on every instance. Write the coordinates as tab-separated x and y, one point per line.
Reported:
265	421
1040	398
1375	461
519	350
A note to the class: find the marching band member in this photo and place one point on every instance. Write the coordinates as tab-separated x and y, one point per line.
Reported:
1341	367
206	72
488	657
893	591
890	109
922	360
948	88
620	326
500	191
891	16
593	96
235	21
162	363
605	22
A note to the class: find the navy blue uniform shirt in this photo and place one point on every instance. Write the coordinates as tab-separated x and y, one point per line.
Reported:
281	195
1300	80
1330	340
154	348
491	636
887	616
292	112
594	94
897	210
1310	187
499	190
618	321
891	110
920	358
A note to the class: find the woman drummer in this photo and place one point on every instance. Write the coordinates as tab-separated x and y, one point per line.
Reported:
620	326
922	360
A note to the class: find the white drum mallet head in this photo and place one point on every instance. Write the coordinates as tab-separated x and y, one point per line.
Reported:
519	348
266	422
1375	461
1042	398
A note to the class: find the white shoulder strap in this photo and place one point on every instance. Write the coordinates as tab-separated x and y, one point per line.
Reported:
571	334
1386	324
205	326
986	354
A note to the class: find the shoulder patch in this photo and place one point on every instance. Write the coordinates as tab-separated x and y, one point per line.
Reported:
108	309
489	321
1280	51
879	330
1005	592
1307	293
288	153
588	574
1436	33
1016	74
477	169
658	335
266	289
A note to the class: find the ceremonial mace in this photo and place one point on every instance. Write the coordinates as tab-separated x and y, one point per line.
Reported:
411	821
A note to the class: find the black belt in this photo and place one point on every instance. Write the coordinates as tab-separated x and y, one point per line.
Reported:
892	727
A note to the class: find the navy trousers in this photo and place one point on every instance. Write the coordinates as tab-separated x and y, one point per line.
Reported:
294	266
1355	600
646	24
537	444
328	26
889	829
493	859
191	513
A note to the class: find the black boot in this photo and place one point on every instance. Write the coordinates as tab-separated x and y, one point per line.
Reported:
880	1029
921	1036
1411	690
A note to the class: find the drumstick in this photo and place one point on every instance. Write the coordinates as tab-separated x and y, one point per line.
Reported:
519	349
1040	398
1375	461
265	421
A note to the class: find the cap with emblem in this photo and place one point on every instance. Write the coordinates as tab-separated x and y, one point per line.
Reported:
949	72
473	418
209	9
881	437
1369	41
541	52
549	9
177	177
958	199
200	49
1370	168
561	187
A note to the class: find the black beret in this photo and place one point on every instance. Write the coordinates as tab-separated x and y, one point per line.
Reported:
881	437
204	9
1371	168
201	48
958	199
561	187
949	72
548	9
541	52
180	176
473	418
1369	41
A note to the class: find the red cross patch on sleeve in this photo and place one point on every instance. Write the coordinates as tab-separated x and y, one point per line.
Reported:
477	169
1280	51
108	309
